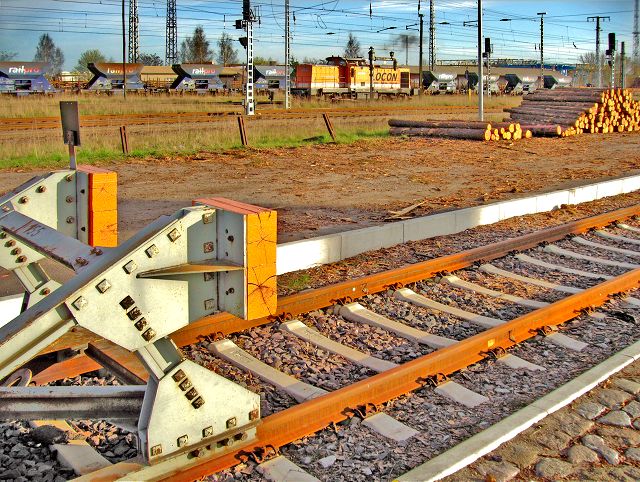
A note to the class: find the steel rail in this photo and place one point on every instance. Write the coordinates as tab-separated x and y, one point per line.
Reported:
9	124
309	417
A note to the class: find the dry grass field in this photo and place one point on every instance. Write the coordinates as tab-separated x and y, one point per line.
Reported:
44	147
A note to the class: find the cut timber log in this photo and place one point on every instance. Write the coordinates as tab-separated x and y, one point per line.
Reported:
449	133
543	130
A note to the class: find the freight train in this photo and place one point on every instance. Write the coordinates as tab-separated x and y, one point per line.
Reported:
351	78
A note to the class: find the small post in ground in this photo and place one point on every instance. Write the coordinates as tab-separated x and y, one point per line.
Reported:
243	131
329	125
124	139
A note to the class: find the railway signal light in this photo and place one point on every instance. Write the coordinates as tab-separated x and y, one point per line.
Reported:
611	51
243	41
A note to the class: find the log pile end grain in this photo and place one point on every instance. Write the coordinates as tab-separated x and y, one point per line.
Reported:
458	129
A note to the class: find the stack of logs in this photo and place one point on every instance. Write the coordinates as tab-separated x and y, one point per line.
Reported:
473	130
567	112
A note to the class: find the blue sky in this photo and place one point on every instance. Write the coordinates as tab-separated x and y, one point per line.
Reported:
321	27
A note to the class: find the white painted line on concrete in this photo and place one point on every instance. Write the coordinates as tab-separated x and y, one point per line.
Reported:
557	250
616	237
606	247
473	448
489	268
281	469
460	394
405	294
307	253
476	288
628	228
358	313
231	352
389	427
562	269
316	338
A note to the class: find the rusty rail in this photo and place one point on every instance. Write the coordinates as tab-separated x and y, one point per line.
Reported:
105	120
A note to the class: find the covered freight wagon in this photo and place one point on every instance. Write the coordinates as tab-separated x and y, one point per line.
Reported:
23	78
198	78
108	77
439	82
269	76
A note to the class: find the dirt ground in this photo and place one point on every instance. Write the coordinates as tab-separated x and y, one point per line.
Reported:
324	188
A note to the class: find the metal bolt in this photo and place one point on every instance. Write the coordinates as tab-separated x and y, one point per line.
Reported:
241	436
21	259
191	394
230	239
127	302
130	267
69	199
140	324
82	261
208	247
209	305
80	303
103	286
197	403
156	450
177	376
207	432
149	334
41	189
173	235
207	218
232	422
230	291
182	441
186	385
23	200
94	250
71	220
10	243
45	291
134	314
69	177
254	414
197	453
208	276
16	251
152	251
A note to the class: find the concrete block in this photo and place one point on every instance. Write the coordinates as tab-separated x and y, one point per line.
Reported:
583	194
516	207
308	253
389	427
429	226
80	457
568	392
630	184
477	216
551	201
369	239
475	447
460	394
632	351
281	469
566	342
609	188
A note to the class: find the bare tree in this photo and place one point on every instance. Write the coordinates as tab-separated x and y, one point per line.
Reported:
46	51
226	53
196	49
6	55
352	49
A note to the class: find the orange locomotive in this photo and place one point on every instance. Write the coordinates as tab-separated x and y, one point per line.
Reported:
343	77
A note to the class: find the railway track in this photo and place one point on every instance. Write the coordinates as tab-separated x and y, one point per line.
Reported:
9	124
515	308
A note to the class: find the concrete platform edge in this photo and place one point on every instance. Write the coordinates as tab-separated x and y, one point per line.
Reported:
482	443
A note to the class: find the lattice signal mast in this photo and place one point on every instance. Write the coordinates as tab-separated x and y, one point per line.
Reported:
432	35
171	53
134	34
636	33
